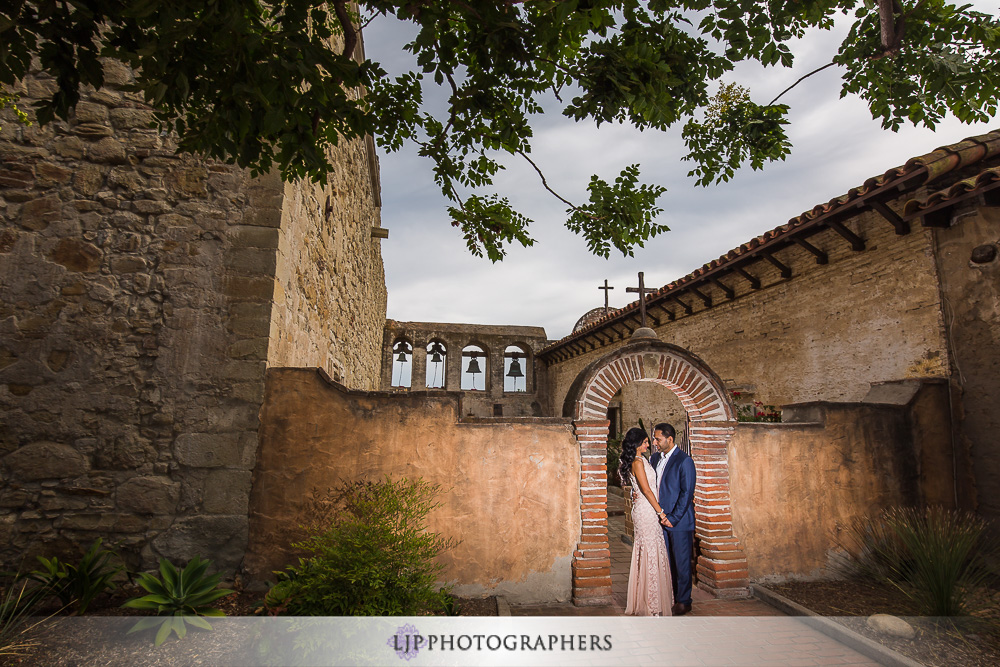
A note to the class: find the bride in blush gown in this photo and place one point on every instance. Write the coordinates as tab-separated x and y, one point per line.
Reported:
649	590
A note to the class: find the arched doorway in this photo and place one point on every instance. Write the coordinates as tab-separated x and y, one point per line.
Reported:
722	565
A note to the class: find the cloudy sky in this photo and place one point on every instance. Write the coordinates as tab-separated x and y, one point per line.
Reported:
432	277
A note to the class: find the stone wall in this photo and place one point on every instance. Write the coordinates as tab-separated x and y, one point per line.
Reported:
136	292
512	492
825	334
970	288
330	296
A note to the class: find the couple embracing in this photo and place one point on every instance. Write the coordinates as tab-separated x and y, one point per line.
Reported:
663	521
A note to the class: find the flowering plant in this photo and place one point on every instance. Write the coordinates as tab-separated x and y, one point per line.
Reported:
756	411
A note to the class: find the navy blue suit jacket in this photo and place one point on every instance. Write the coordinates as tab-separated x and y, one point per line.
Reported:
676	492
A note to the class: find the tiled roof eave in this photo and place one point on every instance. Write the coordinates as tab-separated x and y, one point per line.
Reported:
915	172
985	181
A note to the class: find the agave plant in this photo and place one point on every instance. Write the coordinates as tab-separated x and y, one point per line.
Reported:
184	596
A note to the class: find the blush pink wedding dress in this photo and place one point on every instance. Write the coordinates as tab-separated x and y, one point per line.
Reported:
649	589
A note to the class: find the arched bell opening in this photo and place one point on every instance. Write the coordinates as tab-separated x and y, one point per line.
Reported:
475	368
517	367
402	363
437	364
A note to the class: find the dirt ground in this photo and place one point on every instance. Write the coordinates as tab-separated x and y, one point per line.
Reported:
969	641
86	644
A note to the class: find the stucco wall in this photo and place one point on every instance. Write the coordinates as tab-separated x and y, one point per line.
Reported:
793	484
512	487
826	333
972	304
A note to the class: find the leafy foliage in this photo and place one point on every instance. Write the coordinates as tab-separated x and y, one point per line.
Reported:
275	85
184	596
78	585
939	558
371	554
9	101
735	131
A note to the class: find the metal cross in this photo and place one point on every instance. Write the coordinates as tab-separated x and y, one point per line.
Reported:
642	291
605	288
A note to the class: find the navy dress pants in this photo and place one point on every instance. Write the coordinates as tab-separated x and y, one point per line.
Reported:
679	546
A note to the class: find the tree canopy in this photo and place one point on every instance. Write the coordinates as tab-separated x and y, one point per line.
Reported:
273	84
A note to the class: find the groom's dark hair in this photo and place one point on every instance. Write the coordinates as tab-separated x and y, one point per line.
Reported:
666	429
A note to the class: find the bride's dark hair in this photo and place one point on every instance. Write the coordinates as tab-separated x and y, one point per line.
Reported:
633	438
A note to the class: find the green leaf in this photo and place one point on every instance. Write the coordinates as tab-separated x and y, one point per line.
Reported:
165	627
200	622
145	624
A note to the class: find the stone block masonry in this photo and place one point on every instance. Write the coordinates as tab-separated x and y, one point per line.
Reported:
142	296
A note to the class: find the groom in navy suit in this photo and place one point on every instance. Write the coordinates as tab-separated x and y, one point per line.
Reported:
675	479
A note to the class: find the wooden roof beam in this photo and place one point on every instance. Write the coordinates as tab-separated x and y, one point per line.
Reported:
600	336
704	297
728	291
857	243
687	307
821	257
754	282
901	226
786	272
940	218
670	313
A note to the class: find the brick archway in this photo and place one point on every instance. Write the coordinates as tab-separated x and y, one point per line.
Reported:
722	565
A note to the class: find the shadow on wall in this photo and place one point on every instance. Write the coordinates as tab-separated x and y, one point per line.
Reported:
793	484
515	479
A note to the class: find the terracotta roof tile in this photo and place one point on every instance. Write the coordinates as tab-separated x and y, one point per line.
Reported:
969	185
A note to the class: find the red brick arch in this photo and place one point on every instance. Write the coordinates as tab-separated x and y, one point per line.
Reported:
722	565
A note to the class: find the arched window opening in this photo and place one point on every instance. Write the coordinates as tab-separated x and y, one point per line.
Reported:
437	364
402	363
474	368
515	369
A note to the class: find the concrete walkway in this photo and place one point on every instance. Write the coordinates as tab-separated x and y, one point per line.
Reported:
797	644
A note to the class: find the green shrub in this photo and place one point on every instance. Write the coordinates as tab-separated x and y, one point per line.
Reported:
371	554
78	585
936	557
182	595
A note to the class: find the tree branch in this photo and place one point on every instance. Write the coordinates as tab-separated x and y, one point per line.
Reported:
545	183
350	34
801	79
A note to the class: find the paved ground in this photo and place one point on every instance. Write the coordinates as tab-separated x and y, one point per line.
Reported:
791	643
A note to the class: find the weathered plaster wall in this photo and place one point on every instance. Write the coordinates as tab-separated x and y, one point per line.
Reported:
793	484
512	487
971	292
136	291
826	333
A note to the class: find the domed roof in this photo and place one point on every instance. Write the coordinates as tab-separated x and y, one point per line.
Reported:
590	317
